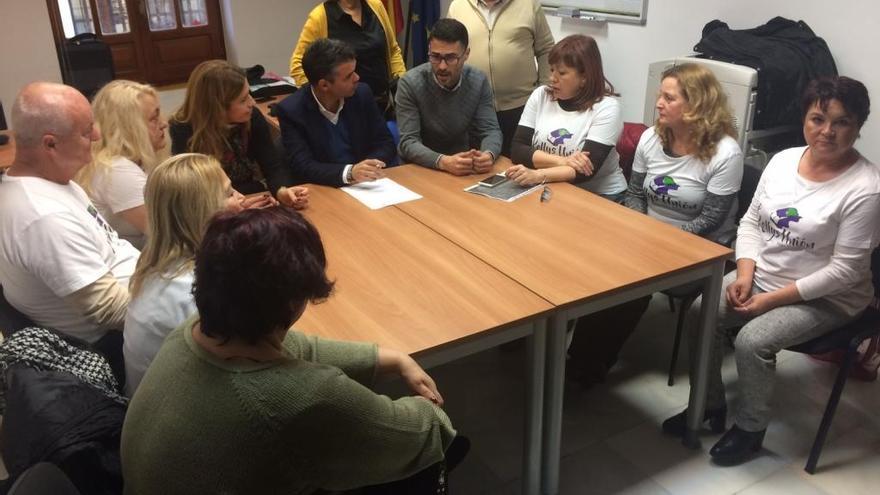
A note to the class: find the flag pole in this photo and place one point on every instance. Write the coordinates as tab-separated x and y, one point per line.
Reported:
407	39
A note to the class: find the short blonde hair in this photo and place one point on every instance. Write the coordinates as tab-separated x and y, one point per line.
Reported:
708	116
181	195
212	87
118	113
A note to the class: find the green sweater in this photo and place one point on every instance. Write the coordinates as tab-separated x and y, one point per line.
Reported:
198	424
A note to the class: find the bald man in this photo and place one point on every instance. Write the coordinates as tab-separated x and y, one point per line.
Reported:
61	264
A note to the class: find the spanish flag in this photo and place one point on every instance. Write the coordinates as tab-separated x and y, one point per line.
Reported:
395	13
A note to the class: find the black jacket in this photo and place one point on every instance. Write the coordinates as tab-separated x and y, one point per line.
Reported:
787	56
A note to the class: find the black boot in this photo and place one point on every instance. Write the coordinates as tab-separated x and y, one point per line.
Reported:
677	424
737	446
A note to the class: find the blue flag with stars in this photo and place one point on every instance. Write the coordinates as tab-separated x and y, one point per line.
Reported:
423	16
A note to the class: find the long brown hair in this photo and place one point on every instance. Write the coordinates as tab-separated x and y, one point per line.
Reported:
581	53
213	85
708	116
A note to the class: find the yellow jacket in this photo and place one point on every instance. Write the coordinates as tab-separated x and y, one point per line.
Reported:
316	27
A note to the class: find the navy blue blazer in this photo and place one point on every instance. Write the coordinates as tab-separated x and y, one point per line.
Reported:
305	139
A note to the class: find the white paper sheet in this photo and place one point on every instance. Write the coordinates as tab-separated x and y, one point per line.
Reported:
381	193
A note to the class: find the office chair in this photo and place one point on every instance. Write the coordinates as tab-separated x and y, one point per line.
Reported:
846	338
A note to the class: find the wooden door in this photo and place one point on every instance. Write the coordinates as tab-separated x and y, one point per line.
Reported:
155	41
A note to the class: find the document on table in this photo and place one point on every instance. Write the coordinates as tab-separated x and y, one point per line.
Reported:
381	193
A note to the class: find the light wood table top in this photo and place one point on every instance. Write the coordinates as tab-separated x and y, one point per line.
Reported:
7	151
572	248
402	285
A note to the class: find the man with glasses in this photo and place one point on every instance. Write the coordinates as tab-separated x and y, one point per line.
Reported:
445	109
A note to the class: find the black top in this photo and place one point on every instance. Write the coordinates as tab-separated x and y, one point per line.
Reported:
368	41
251	162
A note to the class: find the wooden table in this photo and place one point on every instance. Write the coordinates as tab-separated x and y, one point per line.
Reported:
578	251
7	151
402	285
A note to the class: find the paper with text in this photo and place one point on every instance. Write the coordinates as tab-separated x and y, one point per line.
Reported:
381	193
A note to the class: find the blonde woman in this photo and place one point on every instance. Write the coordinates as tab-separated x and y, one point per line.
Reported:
686	172
132	142
217	118
688	168
182	194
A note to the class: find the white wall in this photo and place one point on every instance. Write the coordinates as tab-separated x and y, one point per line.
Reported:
27	50
264	31
675	26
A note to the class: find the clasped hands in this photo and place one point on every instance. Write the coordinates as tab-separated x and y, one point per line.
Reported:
742	301
293	196
467	162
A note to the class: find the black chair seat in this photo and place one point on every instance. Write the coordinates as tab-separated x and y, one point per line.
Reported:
840	338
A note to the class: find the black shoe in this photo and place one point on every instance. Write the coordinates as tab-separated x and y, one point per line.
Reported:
736	446
585	376
677	424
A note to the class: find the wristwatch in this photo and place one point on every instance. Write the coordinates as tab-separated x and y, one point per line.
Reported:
349	177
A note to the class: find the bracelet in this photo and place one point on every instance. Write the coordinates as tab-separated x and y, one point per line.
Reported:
545	179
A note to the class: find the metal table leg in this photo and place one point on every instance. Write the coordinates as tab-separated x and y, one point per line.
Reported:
708	317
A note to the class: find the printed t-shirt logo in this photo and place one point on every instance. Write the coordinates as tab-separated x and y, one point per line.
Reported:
784	216
559	136
663	184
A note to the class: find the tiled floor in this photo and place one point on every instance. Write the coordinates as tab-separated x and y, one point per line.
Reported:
611	434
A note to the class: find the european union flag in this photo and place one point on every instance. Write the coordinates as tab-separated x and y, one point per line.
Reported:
423	15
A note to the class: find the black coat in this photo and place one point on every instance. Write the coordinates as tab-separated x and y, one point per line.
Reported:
787	56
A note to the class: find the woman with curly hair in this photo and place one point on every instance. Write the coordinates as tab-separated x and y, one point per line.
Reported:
687	171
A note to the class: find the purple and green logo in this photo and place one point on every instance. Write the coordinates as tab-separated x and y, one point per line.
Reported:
784	216
663	184
559	136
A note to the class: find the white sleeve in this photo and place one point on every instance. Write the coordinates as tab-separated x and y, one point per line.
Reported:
607	122
860	223
727	173
66	258
845	269
124	186
640	158
749	242
529	116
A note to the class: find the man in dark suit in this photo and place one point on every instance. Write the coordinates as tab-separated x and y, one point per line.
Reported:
332	130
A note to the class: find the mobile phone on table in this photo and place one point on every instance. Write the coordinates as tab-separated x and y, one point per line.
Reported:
493	180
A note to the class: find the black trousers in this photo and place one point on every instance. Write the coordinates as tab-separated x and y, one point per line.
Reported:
429	481
598	338
508	120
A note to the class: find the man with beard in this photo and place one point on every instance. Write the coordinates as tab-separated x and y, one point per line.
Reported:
445	109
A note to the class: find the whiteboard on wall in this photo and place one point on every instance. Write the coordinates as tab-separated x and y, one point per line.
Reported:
632	11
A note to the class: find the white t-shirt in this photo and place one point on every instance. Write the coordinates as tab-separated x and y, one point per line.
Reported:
161	306
53	242
120	188
562	133
675	187
793	226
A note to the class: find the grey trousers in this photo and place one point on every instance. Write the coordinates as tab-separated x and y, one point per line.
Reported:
757	341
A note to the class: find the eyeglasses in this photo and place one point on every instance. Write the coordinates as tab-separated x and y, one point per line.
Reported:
449	58
546	194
